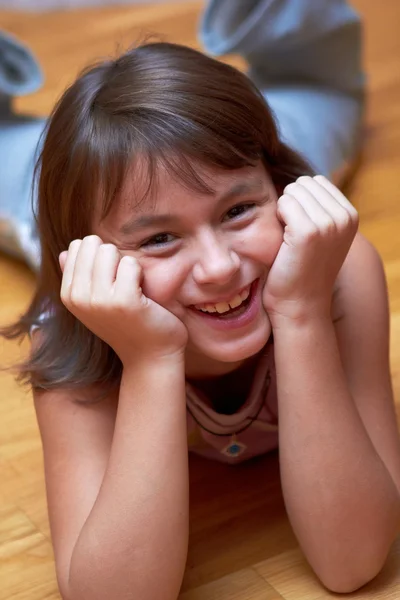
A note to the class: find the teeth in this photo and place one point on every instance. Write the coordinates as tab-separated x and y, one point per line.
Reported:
223	307
210	308
237	301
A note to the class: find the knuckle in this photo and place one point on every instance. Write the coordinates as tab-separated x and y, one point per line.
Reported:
123	305
290	187
120	304
130	261
311	233
355	217
108	247
107	252
329	227
318	178
96	302
344	222
76	298
92	238
304	179
74	244
349	220
285	199
64	298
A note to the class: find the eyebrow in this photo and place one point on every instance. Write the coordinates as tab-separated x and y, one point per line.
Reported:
151	220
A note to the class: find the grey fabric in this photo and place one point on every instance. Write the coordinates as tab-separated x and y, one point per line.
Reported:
43	5
304	55
19	135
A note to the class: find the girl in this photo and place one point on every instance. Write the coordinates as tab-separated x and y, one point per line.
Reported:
209	284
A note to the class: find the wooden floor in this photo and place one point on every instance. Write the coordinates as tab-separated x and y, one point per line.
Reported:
242	546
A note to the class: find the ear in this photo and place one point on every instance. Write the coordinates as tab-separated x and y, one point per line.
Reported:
62	259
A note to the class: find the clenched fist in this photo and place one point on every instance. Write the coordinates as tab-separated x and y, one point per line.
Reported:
102	289
319	227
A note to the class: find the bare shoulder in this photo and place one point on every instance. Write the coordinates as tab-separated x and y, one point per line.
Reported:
362	328
361	283
76	436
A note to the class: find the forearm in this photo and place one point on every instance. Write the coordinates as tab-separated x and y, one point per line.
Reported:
134	543
340	498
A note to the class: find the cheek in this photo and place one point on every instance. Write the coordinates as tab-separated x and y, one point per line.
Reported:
161	281
263	242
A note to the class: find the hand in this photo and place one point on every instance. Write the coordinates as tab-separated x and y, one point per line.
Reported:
103	291
319	227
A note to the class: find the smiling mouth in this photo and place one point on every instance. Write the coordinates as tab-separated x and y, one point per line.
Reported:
221	308
235	306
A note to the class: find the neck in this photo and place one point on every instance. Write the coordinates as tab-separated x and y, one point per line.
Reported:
199	366
203	369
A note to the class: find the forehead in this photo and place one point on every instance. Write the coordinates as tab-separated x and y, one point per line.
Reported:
161	191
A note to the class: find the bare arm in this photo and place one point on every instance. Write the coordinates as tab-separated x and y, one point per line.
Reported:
134	542
339	449
118	500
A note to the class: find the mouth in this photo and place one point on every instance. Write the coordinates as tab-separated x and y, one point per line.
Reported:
237	312
220	309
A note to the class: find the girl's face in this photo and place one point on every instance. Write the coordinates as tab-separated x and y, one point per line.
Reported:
200	252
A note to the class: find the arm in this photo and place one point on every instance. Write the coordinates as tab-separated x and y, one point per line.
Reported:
134	542
119	502
340	452
118	496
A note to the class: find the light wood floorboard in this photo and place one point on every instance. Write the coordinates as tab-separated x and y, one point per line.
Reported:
242	546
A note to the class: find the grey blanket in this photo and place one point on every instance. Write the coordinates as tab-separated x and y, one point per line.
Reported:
304	55
19	136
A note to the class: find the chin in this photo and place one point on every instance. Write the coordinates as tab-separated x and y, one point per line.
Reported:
237	350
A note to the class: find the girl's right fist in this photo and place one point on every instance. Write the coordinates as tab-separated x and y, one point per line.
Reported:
102	289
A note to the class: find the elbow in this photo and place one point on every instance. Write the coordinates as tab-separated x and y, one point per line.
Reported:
355	575
348	582
346	572
87	580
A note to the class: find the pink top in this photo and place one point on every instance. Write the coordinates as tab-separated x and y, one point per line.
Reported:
249	432
259	413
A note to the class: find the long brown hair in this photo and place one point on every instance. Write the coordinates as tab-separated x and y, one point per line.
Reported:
165	102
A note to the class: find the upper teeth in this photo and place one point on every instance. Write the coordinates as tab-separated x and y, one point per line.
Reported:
222	307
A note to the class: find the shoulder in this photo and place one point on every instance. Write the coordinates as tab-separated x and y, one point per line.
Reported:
76	433
362	328
361	317
361	284
73	417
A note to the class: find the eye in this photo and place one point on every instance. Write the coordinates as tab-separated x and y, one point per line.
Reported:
161	239
238	211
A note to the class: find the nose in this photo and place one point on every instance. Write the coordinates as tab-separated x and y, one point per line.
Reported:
216	262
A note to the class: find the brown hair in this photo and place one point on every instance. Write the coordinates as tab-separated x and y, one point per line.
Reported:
166	102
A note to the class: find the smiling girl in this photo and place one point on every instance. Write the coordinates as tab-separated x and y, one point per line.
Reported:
210	283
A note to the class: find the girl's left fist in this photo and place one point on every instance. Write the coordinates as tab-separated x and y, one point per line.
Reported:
319	227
